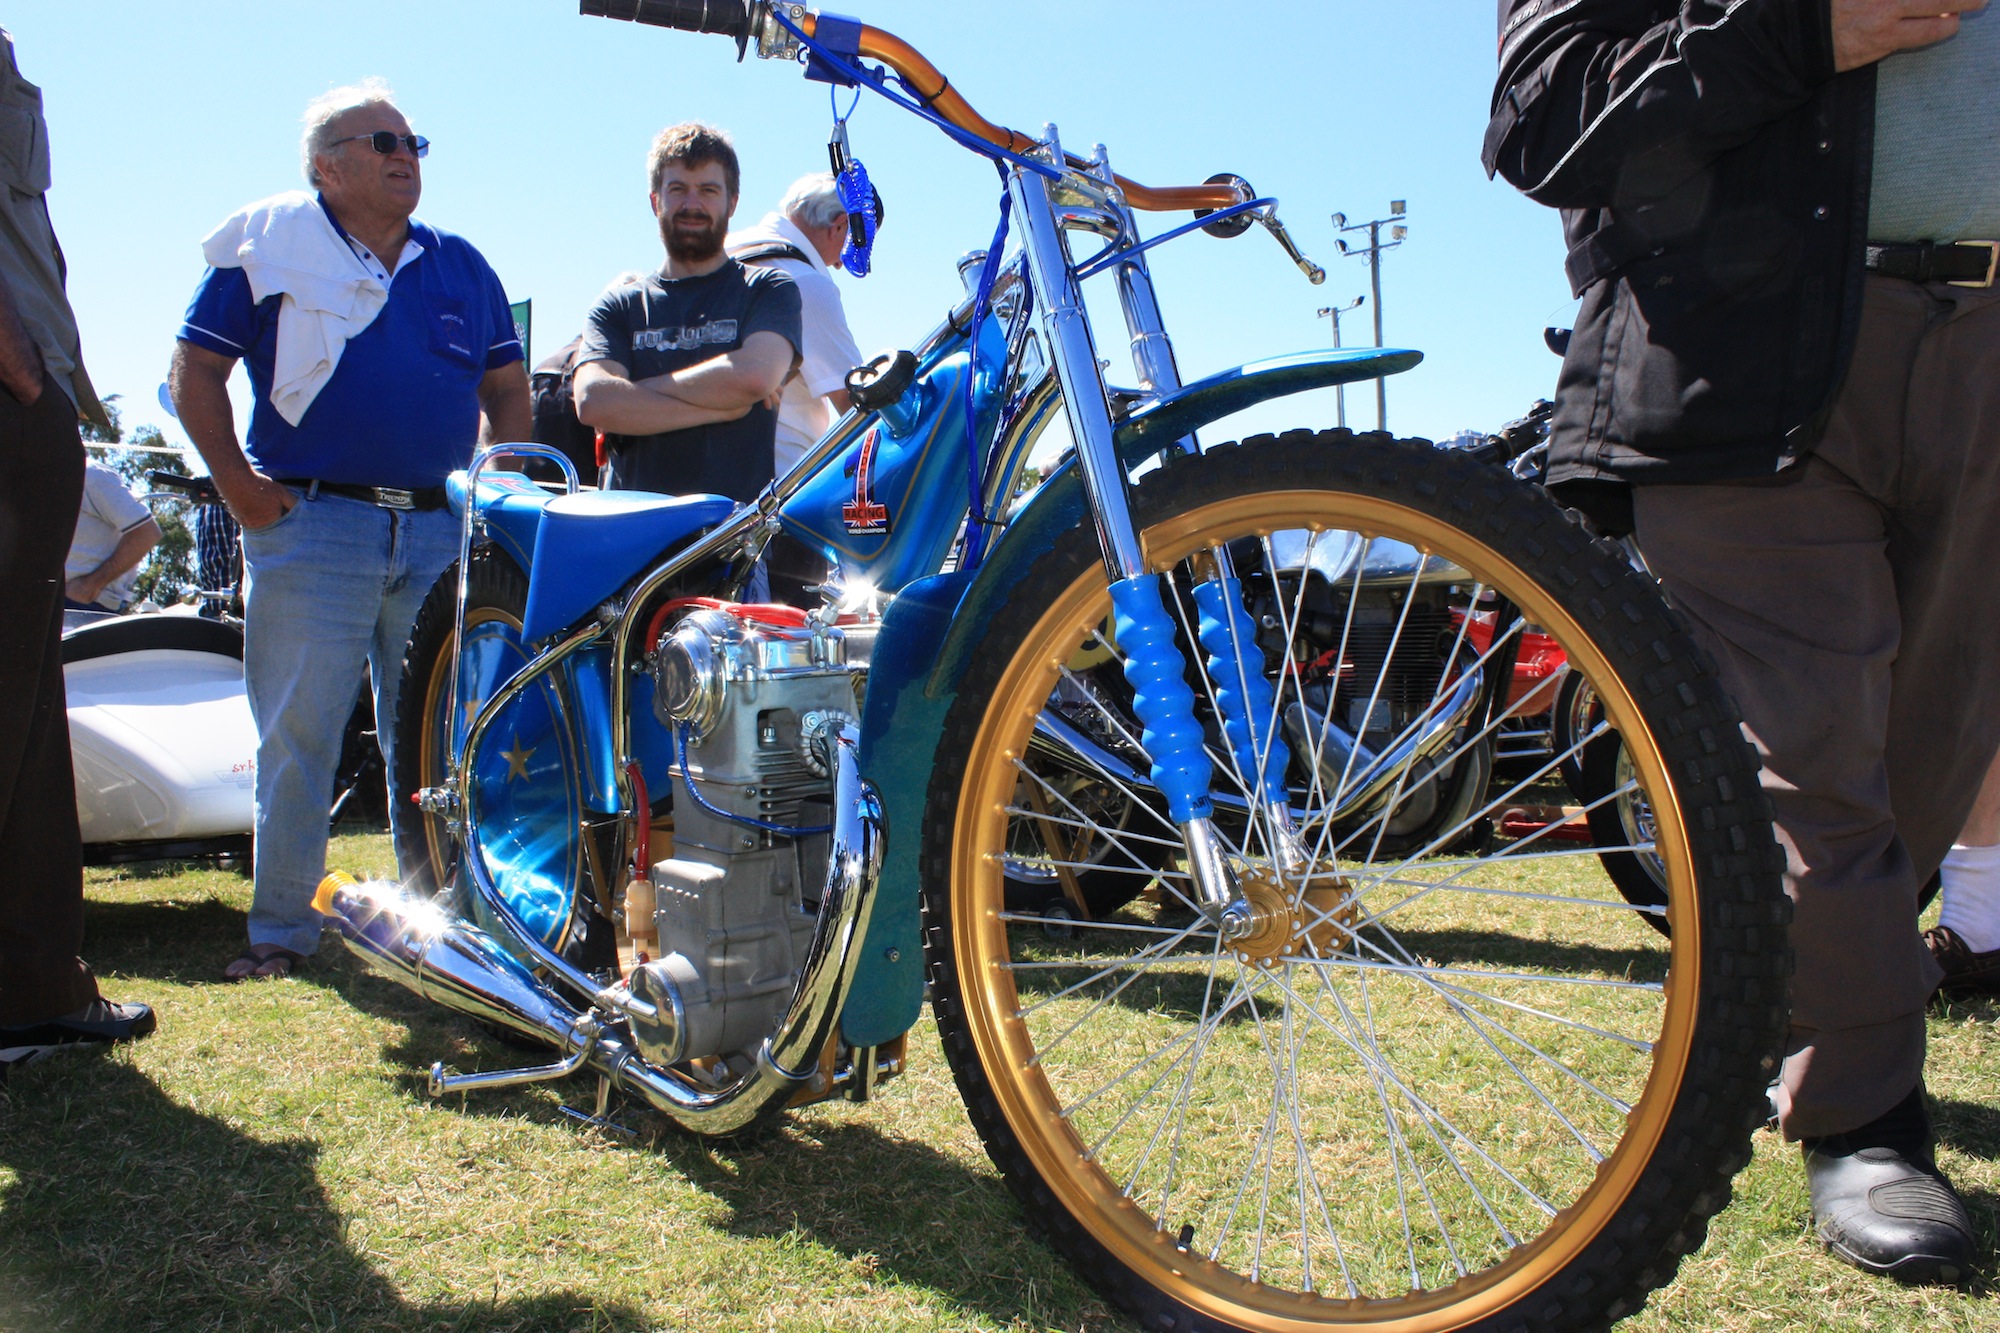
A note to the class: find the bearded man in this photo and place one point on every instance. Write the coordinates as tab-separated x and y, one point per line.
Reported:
683	371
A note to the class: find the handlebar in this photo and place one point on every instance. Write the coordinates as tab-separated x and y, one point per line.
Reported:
738	19
200	489
731	18
1516	437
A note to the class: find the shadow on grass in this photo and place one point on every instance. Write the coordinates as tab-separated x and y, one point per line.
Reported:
150	870
1460	948
176	940
889	1204
1189	995
127	1211
1983	1208
893	1206
1970	1127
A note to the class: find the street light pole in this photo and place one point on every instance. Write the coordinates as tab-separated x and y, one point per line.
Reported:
1334	312
1376	245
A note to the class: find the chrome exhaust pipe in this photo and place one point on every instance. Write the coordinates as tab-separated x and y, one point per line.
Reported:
403	936
413	941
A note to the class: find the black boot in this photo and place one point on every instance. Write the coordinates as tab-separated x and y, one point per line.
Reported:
1880	1203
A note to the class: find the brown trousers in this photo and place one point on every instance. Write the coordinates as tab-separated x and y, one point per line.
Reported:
1851	607
41	873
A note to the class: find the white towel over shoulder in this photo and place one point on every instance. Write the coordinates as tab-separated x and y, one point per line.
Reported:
288	245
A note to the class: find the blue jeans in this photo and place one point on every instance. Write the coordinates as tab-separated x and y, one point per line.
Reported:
332	585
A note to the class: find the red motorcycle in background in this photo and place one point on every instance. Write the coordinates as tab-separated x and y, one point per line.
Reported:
1555	709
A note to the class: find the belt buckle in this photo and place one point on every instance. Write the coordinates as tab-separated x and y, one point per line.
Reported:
1992	264
391	498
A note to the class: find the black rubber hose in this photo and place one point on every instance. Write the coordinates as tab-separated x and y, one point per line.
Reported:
729	17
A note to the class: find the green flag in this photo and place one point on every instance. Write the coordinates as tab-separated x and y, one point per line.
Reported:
524	323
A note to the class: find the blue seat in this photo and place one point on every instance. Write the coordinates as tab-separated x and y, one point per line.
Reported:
589	544
511	505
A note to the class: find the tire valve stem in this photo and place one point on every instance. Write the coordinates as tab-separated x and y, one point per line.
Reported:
1185	1239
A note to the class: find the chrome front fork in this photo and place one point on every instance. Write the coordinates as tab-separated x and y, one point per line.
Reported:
1154	666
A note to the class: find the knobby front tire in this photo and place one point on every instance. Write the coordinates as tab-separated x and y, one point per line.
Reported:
1464	1091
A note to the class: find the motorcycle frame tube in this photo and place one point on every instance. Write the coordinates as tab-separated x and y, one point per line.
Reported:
472	862
730	536
472	523
788	1059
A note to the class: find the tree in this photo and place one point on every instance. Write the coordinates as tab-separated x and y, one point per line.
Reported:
167	573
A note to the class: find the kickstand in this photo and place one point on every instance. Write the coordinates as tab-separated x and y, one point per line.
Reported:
599	1119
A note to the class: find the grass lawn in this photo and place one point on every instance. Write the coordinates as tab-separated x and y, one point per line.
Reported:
269	1160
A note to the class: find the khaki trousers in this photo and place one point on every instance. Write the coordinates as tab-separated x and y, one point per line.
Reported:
1851	607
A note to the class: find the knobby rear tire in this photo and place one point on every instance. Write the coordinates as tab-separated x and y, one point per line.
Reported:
426	852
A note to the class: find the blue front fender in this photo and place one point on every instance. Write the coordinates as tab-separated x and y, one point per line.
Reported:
936	624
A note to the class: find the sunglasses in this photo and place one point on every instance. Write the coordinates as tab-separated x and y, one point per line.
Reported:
384	142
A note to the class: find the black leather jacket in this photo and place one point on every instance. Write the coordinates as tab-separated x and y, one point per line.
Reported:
1713	175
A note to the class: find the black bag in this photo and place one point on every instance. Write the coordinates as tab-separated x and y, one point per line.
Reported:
552	392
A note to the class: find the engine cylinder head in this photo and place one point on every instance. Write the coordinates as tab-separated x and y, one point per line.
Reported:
689	674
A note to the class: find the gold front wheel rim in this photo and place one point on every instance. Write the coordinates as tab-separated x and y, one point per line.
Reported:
1046	1118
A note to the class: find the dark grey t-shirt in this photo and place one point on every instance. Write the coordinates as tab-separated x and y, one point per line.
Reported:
663	325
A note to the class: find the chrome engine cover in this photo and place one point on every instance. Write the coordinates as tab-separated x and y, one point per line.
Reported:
732	911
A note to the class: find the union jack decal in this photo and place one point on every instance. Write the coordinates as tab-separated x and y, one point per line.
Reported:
864	514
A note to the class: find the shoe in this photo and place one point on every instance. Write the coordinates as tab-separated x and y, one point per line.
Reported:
1965	972
98	1023
1880	1203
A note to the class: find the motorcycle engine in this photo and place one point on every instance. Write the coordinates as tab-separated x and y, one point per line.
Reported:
757	698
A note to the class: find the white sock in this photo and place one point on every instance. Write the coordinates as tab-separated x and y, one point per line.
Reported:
1972	896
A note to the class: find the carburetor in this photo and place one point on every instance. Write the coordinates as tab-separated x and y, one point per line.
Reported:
755	697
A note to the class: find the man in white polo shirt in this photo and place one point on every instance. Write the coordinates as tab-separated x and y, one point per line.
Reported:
114	531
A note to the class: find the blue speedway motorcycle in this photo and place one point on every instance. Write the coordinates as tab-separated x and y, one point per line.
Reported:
1167	776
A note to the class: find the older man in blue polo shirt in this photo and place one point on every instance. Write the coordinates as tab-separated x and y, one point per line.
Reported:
379	350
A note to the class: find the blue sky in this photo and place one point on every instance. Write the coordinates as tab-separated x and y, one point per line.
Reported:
165	118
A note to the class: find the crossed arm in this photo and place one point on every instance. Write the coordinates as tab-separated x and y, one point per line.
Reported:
719	389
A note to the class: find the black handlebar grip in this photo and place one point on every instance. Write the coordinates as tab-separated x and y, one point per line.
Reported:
201	488
731	18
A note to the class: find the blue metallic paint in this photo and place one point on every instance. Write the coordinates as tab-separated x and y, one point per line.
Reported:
529	779
915	474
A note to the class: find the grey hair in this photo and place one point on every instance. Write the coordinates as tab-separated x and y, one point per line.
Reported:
330	106
813	202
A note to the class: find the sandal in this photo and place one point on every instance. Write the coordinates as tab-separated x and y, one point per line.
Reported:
263	961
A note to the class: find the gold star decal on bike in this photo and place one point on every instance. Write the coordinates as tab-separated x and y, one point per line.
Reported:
517	761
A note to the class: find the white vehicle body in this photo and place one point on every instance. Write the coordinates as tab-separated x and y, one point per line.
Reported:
160	736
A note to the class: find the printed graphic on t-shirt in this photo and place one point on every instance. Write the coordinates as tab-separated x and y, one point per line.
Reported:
709	333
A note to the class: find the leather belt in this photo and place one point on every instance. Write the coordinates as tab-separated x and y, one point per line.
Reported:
1960	263
389	497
